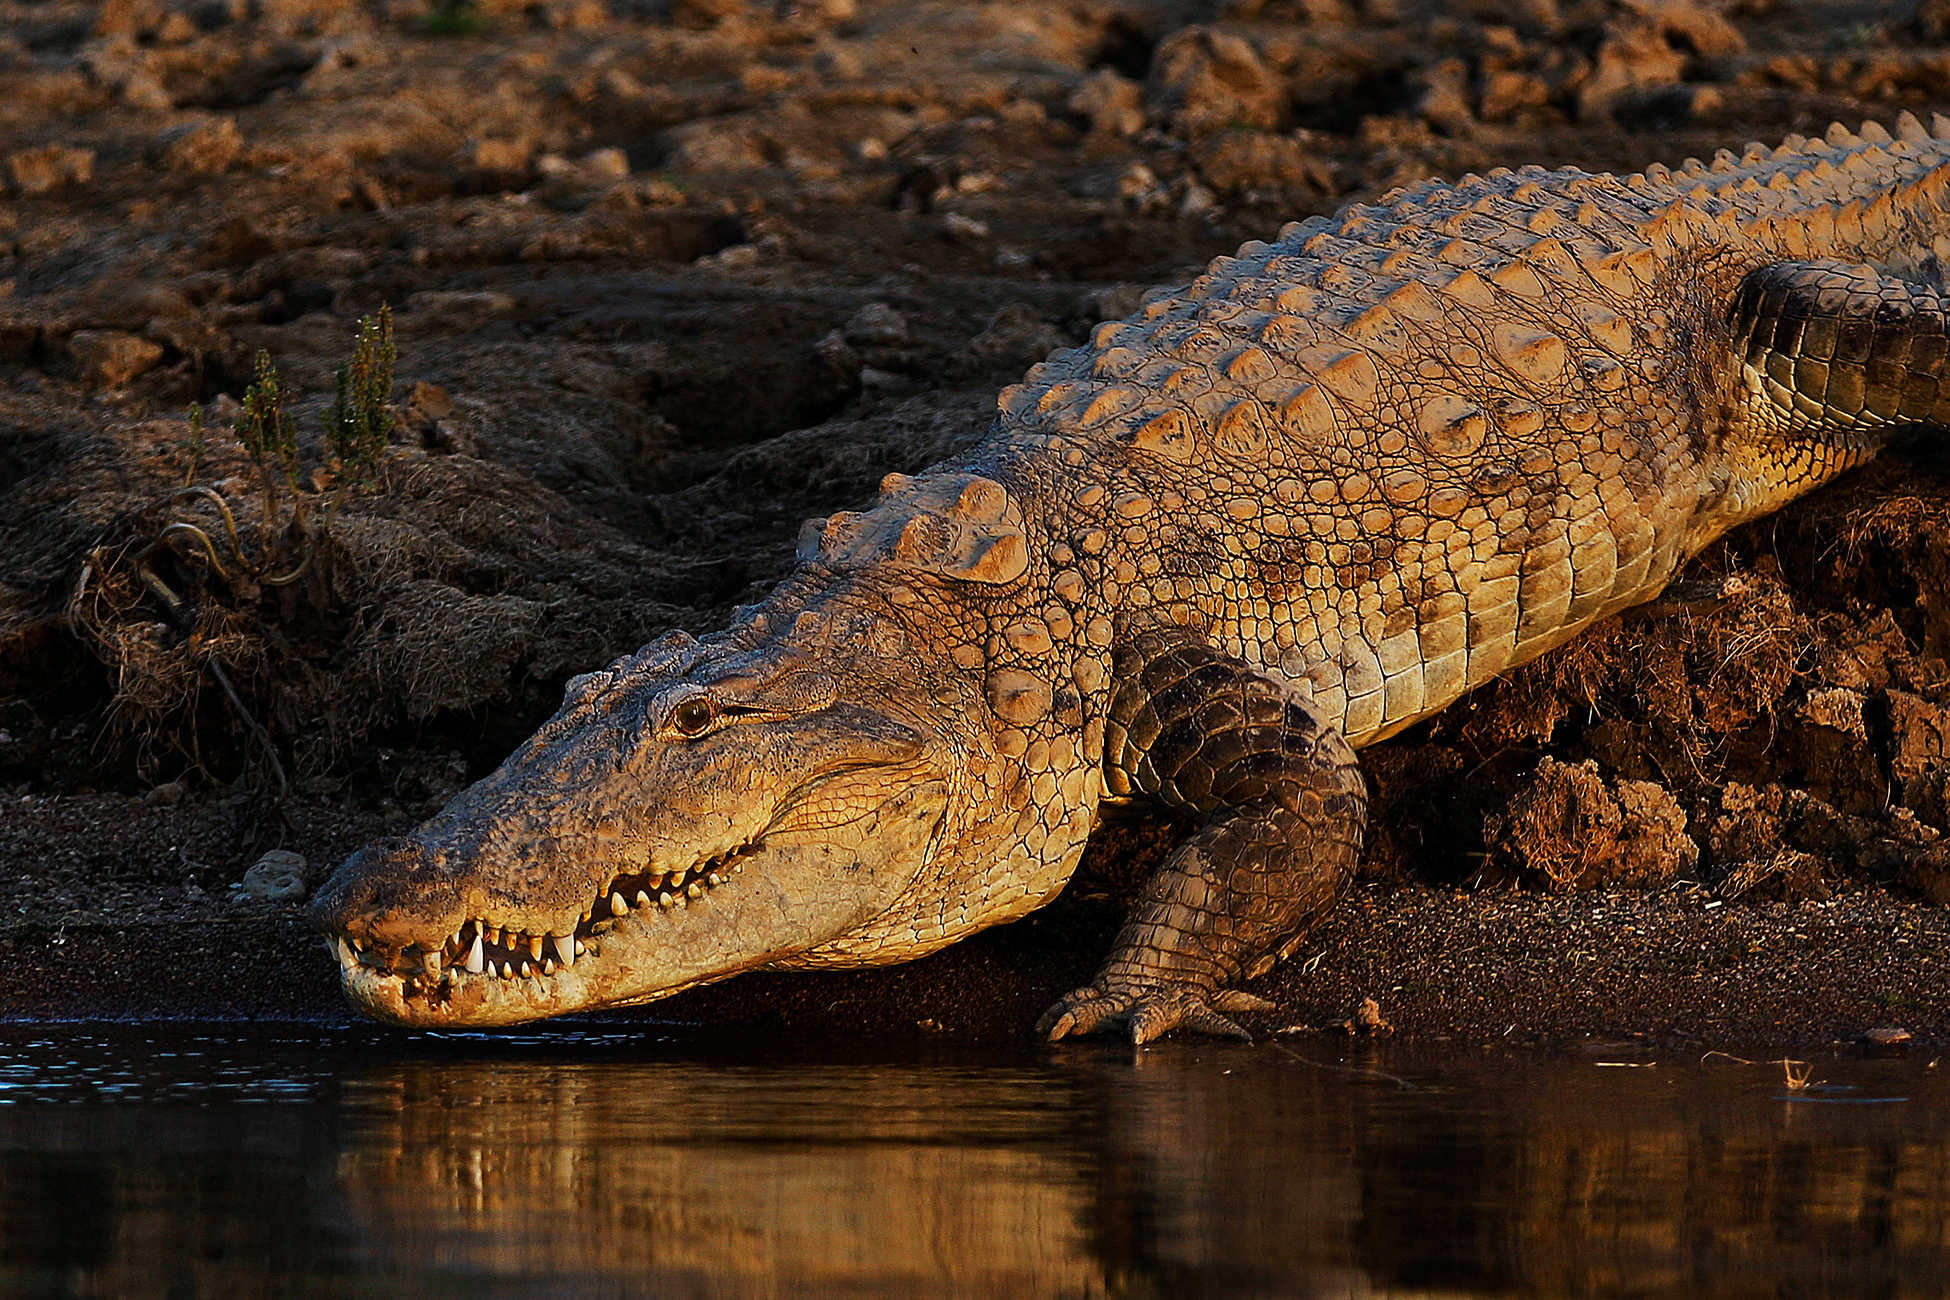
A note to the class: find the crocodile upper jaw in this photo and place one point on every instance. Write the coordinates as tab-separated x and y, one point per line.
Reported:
787	895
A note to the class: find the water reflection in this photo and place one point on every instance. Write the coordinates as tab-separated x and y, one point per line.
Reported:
888	1180
577	1164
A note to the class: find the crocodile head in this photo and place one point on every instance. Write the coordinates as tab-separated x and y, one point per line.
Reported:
695	810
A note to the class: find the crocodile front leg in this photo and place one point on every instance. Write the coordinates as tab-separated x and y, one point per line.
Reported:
1285	805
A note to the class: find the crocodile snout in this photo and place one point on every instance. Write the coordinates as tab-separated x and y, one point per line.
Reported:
387	893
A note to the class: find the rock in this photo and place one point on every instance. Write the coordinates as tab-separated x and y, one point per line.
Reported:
876	324
733	257
202	148
1568	829
1113	103
582	177
714	144
166	795
1508	92
606	166
49	168
1016	336
1196	201
110	358
1444	104
1929	22
280	876
1650	50
1204	80
1260	165
457	309
498	155
966	230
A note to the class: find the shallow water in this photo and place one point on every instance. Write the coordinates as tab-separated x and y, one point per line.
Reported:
184	1161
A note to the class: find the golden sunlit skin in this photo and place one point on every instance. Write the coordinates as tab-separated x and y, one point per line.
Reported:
1278	514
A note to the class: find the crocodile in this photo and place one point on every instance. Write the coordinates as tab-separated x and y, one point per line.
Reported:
1275	515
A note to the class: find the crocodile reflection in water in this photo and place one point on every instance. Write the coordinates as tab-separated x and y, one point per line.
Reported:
554	1170
1264	1172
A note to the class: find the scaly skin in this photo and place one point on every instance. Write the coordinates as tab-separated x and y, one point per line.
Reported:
1278	514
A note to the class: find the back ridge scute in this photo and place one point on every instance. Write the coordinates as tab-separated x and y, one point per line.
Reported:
1309	341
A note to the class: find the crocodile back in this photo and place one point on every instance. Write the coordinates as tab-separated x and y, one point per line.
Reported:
1404	448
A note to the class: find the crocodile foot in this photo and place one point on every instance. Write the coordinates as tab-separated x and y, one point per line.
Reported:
1148	1011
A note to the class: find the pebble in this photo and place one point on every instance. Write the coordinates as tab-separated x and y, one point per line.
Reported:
280	876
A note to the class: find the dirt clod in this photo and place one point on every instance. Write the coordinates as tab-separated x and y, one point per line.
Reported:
111	358
1567	828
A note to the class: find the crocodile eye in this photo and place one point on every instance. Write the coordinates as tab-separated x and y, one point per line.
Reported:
693	717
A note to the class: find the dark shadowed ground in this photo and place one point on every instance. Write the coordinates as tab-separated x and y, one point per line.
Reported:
670	276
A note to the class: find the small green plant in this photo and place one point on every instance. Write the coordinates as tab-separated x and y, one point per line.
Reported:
221	567
453	18
362	423
194	443
360	427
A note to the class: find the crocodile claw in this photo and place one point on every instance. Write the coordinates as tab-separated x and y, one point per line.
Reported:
1148	1013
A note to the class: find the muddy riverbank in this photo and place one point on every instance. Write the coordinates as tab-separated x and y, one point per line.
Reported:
669	277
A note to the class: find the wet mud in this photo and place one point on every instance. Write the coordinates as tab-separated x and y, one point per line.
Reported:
668	277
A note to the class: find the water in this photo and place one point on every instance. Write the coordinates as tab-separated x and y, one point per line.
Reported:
176	1161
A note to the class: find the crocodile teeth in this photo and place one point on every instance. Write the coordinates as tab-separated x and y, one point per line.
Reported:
695	889
565	948
343	952
663	900
677	878
642	898
506	970
579	948
535	947
476	956
714	880
526	970
494	935
548	966
617	906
